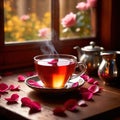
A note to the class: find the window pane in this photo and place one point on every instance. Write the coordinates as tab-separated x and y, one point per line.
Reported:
76	17
27	20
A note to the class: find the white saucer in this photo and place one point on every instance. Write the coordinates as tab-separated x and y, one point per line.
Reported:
68	87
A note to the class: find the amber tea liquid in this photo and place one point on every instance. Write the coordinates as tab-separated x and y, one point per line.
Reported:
55	75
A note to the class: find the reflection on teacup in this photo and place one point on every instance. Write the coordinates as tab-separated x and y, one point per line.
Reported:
55	70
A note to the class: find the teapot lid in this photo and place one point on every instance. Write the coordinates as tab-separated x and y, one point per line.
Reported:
92	48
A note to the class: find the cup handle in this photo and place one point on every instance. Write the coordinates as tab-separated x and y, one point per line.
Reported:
81	69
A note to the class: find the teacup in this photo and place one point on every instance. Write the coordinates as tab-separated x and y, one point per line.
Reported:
55	70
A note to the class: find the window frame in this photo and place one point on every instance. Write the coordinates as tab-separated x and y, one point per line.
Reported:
21	55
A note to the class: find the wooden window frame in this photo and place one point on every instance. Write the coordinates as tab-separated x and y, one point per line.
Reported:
13	56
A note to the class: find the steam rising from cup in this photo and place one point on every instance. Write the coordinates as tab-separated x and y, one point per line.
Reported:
48	48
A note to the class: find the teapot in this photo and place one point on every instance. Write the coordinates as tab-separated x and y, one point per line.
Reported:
90	55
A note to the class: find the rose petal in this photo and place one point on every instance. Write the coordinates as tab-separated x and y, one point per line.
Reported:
82	103
94	88
71	104
85	77
87	95
34	83
21	78
33	105
53	62
96	83
76	84
14	88
26	101
59	111
3	87
13	98
91	80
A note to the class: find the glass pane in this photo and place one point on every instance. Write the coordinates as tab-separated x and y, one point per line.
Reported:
27	20
77	18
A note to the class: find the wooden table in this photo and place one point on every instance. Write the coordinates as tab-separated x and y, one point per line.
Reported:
105	105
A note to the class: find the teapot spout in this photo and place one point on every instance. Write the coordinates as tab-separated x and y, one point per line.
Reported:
78	51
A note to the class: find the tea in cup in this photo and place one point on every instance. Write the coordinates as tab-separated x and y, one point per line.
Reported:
55	70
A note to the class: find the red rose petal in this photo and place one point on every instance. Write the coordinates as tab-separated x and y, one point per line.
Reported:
3	87
59	111
13	98
71	104
21	78
94	88
34	83
53	62
33	105
14	88
26	101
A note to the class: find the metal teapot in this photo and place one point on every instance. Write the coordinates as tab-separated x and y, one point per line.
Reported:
90	55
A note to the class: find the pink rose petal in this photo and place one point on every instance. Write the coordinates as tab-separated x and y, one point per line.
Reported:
71	104
13	98
14	88
94	88
59	111
3	87
85	77
91	80
82	103
53	62
96	83
34	83
76	84
86	94
21	78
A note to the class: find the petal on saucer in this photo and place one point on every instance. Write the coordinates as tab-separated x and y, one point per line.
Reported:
34	83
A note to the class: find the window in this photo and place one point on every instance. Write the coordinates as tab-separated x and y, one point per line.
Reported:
27	20
15	55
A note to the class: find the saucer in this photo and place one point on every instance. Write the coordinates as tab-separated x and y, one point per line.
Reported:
36	84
